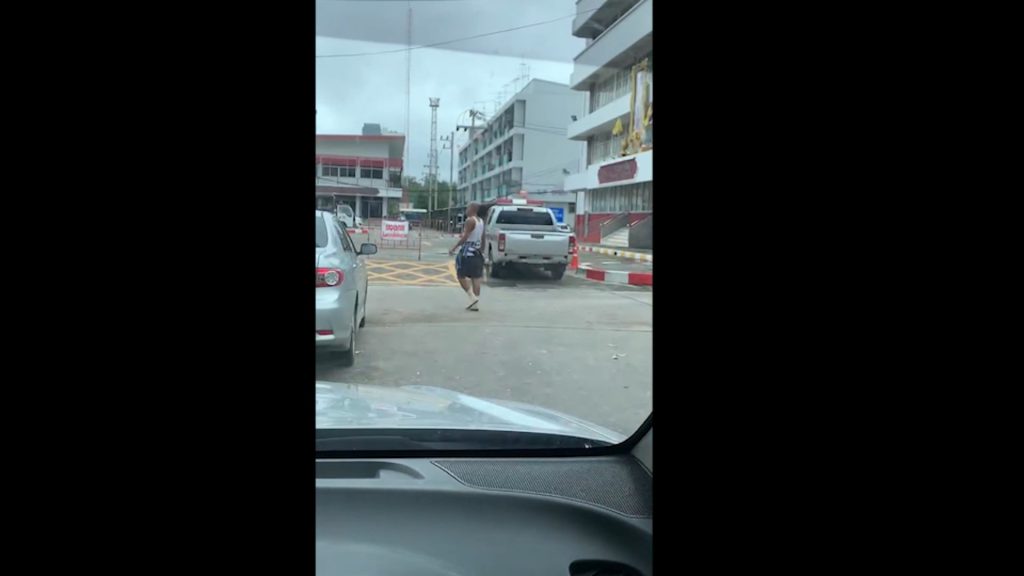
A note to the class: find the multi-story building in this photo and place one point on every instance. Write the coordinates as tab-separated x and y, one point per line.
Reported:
361	170
521	147
614	117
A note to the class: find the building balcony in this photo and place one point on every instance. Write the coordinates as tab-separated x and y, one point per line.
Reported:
365	188
599	121
594	16
498	169
346	181
626	40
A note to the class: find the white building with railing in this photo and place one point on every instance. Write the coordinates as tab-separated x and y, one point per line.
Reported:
614	117
523	146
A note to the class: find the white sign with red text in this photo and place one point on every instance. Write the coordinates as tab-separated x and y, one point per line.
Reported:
394	230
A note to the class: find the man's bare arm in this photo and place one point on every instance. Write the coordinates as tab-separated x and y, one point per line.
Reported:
470	225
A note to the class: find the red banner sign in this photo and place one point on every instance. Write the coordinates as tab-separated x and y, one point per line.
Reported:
624	170
394	230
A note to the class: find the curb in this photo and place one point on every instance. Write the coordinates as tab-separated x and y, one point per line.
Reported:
620	253
615	276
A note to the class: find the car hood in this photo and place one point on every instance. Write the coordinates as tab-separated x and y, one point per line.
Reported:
341	405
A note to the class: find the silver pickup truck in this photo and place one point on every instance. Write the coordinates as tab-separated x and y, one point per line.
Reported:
526	235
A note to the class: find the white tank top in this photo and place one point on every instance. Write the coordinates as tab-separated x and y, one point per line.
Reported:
473	239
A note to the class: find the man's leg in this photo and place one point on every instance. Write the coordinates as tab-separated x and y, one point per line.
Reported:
476	294
467	288
463	281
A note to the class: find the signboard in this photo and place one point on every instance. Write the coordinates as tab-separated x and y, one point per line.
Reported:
617	171
394	230
559	214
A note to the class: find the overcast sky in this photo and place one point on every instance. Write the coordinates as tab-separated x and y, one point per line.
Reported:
354	90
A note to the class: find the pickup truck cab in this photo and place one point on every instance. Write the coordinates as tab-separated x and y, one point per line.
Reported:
524	233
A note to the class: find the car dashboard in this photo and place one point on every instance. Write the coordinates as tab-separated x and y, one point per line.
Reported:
577	516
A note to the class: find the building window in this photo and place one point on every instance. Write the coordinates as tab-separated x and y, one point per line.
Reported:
628	198
371	173
610	89
604	147
616	85
332	171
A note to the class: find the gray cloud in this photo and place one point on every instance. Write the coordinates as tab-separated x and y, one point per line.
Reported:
372	88
433	21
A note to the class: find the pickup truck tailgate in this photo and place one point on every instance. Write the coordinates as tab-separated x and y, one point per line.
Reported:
536	243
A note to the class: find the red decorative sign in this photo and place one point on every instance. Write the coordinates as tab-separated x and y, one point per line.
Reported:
624	170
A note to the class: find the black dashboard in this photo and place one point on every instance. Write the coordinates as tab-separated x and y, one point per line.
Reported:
584	516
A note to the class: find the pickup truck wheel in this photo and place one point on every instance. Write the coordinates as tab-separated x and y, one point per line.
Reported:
495	268
557	272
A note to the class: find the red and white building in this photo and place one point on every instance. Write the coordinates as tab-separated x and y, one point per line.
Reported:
363	171
613	76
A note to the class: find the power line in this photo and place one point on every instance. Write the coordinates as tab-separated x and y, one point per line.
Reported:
442	43
565	164
531	125
561	132
544	128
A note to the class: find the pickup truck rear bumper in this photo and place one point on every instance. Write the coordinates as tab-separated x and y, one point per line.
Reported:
531	260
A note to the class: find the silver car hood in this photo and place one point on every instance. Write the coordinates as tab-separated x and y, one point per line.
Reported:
362	406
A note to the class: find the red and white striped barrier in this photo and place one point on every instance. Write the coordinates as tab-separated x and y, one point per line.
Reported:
616	276
643	257
358	231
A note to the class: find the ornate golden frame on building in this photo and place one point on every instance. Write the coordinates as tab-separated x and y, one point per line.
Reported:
641	113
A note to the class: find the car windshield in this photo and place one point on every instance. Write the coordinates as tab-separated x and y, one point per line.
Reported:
526	216
429	112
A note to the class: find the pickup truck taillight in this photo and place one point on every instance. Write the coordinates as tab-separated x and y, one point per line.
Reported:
501	242
327	277
572	244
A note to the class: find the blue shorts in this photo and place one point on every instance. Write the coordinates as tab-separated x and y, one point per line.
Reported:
469	266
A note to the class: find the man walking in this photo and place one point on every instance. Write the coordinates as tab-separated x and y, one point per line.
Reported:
469	264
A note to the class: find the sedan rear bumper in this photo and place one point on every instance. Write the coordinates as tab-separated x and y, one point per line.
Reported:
335	314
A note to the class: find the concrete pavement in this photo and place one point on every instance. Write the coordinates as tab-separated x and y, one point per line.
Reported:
575	346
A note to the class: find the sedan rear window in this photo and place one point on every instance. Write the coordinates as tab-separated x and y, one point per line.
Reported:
321	232
526	216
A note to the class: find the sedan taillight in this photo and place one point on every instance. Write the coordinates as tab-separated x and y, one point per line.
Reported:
501	242
327	277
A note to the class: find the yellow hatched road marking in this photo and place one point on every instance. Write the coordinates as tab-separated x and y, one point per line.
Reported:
402	272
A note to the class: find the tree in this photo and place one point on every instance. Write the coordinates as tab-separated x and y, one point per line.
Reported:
418	193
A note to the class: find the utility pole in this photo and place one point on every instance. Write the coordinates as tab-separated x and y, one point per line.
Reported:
450	145
408	80
471	129
432	187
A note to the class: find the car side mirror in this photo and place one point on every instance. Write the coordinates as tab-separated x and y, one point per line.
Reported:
367	249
